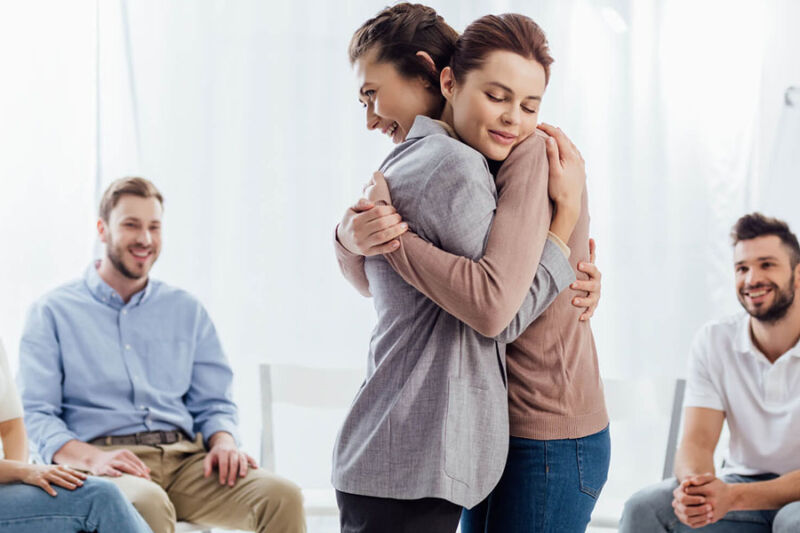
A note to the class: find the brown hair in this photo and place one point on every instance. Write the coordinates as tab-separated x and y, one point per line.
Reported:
136	186
757	225
399	32
511	31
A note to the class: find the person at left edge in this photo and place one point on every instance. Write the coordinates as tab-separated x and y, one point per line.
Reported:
124	376
51	498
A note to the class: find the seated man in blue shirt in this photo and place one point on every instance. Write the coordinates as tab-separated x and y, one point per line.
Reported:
124	376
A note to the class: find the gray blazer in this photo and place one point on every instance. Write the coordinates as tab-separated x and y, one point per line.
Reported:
431	419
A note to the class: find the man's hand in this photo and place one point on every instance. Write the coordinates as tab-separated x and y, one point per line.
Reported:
718	494
694	510
567	179
225	455
367	229
117	462
591	286
43	475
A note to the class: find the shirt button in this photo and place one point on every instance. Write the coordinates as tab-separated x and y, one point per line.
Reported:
124	311
127	346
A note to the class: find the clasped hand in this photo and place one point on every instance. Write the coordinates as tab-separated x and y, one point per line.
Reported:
701	500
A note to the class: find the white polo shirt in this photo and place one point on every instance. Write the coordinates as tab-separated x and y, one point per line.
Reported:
761	400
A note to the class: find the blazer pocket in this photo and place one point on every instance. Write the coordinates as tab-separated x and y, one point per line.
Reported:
466	425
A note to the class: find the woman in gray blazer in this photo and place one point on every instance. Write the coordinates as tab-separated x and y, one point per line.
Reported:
428	431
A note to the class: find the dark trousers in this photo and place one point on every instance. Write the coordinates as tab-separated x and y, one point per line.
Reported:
366	514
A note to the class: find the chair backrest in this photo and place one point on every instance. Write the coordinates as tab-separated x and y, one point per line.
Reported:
320	388
645	420
674	428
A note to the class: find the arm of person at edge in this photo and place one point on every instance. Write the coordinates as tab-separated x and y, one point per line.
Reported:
702	498
367	229
15	468
487	294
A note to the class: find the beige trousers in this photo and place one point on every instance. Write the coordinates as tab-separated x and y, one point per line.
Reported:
261	501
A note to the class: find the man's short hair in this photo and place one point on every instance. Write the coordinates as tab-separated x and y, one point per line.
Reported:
136	186
757	225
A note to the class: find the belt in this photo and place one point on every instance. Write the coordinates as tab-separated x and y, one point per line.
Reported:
147	438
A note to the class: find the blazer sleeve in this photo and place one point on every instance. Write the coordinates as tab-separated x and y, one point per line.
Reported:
487	293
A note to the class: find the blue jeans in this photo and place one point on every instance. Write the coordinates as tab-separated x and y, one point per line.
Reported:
650	509
96	506
547	486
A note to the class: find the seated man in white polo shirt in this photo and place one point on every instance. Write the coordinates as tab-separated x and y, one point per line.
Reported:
745	369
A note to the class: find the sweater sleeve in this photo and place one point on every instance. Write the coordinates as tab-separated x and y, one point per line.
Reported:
487	293
352	267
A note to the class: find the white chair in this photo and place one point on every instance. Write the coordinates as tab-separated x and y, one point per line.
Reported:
328	391
640	411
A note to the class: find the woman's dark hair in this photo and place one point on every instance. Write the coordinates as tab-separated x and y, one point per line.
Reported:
511	32
397	33
757	225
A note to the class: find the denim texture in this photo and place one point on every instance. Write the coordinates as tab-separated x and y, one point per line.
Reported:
548	486
96	506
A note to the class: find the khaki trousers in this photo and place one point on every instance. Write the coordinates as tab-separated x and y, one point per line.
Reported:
261	501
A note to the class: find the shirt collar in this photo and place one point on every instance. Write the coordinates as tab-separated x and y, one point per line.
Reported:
744	342
103	292
424	126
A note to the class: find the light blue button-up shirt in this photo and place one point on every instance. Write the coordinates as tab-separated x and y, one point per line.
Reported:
91	365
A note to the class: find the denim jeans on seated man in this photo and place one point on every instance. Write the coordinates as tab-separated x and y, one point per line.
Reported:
650	510
96	506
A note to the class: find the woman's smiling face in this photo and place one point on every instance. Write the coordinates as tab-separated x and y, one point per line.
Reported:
496	106
391	100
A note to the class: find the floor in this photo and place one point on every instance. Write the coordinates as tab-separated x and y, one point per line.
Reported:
329	524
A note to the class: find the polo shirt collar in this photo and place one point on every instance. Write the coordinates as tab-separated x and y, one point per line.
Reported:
744	342
103	292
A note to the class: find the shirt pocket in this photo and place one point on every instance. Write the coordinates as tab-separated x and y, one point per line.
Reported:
169	365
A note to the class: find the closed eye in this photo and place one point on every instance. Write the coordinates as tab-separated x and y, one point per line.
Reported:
494	98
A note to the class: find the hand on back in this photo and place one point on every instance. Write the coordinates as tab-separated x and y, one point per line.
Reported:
567	177
369	228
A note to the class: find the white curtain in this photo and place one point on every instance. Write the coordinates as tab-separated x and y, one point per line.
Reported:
245	115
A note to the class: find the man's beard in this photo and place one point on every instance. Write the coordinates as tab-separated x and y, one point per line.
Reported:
115	256
784	298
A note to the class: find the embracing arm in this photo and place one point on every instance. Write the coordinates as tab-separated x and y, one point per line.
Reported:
365	229
487	293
